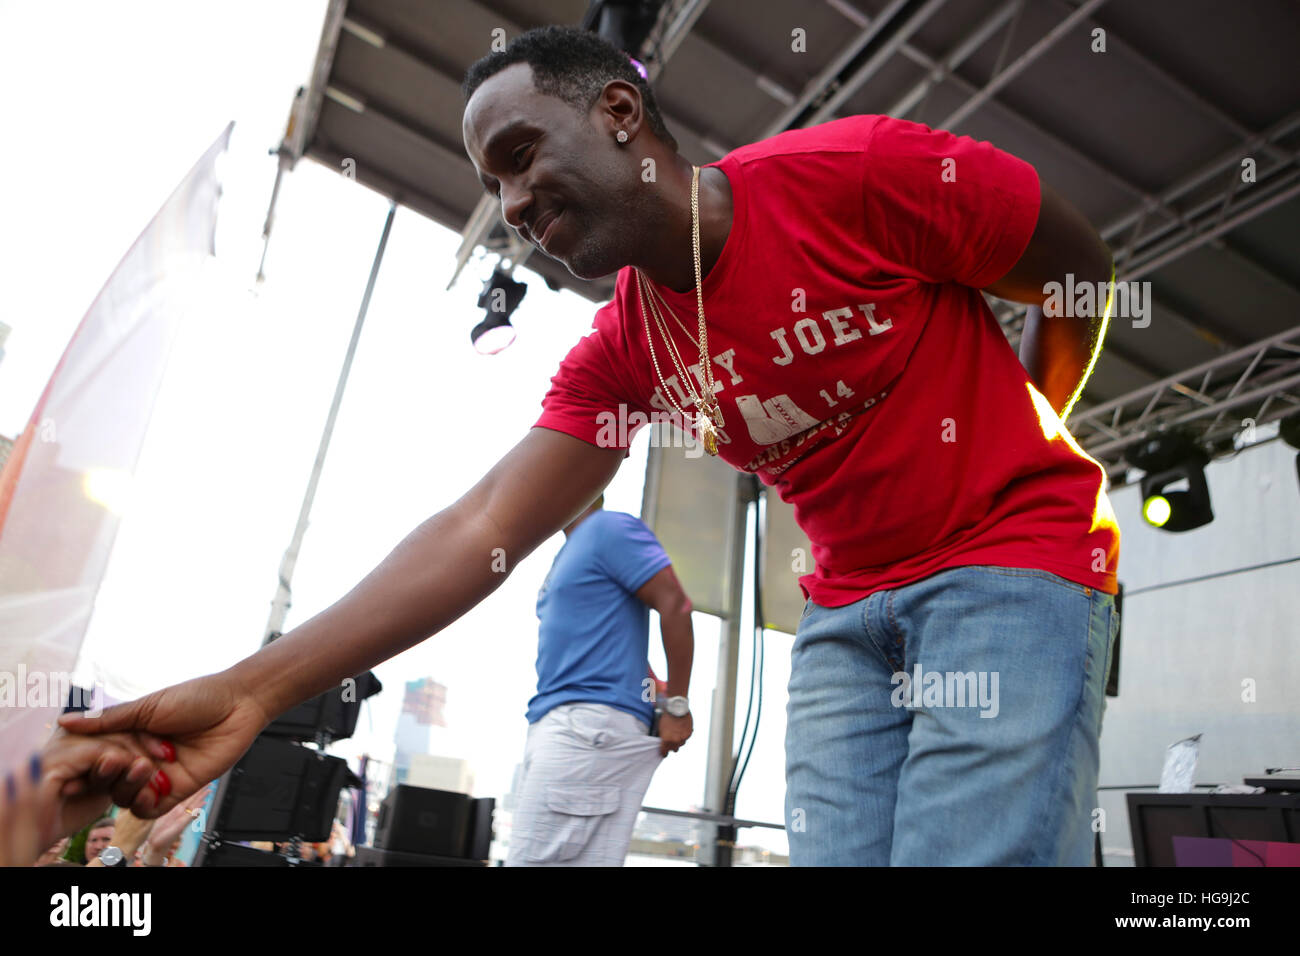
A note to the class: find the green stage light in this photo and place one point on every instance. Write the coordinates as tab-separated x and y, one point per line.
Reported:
1156	510
1173	458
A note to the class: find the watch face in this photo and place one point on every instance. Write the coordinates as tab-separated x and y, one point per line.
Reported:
111	856
678	706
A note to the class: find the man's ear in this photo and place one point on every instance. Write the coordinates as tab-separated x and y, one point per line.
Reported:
620	102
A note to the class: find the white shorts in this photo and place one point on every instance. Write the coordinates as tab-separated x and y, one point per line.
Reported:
586	771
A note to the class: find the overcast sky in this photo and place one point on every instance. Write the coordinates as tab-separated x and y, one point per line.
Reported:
108	107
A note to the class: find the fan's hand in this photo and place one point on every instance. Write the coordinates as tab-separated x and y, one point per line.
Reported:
35	811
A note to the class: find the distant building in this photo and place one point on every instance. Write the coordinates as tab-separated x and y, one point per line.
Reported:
440	773
424	700
422	710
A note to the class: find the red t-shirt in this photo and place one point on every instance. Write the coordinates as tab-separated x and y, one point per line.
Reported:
859	370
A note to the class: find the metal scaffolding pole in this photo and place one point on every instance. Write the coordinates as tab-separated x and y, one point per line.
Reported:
280	603
722	722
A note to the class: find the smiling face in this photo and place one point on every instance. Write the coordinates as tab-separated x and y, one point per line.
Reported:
561	177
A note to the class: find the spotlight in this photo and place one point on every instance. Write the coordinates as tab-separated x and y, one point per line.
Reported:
501	295
1168	459
1157	510
1289	430
624	23
492	335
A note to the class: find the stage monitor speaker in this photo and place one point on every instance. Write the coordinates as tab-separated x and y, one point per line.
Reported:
232	854
422	820
479	831
373	856
333	714
280	790
1157	820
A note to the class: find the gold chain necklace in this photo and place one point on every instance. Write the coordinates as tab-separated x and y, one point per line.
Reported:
709	419
663	306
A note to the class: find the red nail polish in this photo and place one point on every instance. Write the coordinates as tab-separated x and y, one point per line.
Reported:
169	752
160	785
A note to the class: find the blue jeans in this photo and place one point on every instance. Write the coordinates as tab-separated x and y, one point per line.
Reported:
952	722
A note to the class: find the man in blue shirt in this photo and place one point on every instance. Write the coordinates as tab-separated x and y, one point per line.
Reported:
589	756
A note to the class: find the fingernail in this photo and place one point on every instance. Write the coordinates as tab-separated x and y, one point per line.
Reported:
169	752
160	785
36	768
11	787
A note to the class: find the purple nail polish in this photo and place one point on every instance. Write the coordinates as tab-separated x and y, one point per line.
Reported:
36	768
11	788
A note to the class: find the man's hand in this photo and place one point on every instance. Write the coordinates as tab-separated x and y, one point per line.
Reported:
202	726
665	594
673	732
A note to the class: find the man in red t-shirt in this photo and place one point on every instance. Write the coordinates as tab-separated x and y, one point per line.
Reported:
946	688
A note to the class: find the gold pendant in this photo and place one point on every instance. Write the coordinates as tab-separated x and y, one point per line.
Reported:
709	433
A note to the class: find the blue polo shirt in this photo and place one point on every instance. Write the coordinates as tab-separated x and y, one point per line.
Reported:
594	631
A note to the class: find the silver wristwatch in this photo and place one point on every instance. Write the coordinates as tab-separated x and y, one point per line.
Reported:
677	706
112	856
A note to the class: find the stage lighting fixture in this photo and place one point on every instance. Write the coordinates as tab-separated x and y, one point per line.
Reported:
624	23
1156	510
1167	459
1289	430
501	296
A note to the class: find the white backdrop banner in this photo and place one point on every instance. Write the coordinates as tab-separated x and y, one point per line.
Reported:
64	484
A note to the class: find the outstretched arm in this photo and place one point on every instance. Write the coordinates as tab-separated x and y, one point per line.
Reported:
441	570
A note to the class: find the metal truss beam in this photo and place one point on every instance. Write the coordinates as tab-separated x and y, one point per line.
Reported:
842	91
959	54
1020	64
821	83
1220	115
1255	377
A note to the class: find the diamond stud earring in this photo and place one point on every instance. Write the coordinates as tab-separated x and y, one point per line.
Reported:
622	136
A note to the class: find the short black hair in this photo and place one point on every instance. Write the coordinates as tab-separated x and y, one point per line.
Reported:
571	64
